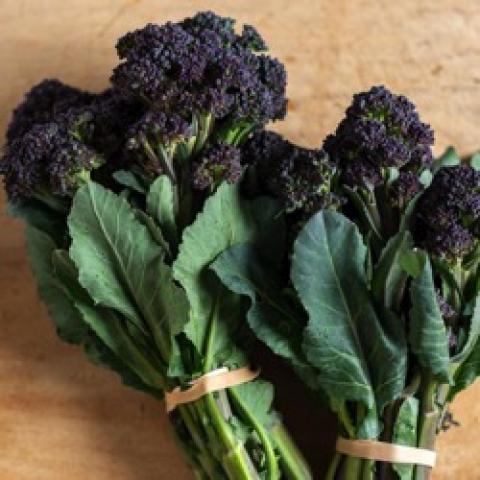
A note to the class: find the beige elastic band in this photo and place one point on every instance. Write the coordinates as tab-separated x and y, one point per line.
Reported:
211	382
386	452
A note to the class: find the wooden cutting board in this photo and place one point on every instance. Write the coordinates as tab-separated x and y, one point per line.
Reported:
62	418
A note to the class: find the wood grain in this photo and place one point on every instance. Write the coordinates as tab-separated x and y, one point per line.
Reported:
63	418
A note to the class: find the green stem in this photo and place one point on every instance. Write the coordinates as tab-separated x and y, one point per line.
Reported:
352	468
368	469
204	457
428	423
334	464
346	421
294	465
273	472
236	460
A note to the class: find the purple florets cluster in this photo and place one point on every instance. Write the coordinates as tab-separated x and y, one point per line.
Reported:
404	188
380	130
111	115
56	135
300	177
201	65
158	128
43	103
47	158
219	163
448	213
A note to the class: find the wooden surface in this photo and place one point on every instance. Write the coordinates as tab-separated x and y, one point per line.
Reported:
63	418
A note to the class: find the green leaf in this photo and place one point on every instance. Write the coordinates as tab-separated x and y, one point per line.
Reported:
344	339
100	354
257	397
473	334
428	335
466	364
130	180
69	324
389	276
127	354
372	224
108	327
407	217
58	287
467	373
405	433
272	317
268	214
154	230
413	262
449	158
161	207
225	221
38	215
426	178
121	266
475	161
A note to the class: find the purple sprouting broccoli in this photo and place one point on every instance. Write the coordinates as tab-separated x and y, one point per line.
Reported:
299	177
59	134
380	132
155	139
219	163
46	160
448	213
43	103
201	69
49	150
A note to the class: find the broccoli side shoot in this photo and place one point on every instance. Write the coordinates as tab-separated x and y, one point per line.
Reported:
448	213
299	177
382	131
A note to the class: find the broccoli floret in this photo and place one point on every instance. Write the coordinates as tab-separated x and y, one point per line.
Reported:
47	158
200	66
381	130
404	188
298	176
448	212
43	103
220	162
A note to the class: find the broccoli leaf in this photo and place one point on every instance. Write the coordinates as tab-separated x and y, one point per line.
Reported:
67	319
272	316
428	335
161	207
467	362
55	288
344	339
389	277
257	397
108	326
225	221
449	158
130	180
40	216
121	266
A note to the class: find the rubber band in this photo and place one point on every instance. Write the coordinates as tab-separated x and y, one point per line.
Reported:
386	452
210	382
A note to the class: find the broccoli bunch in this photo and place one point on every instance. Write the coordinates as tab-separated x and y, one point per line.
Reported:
381	139
299	177
448	213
